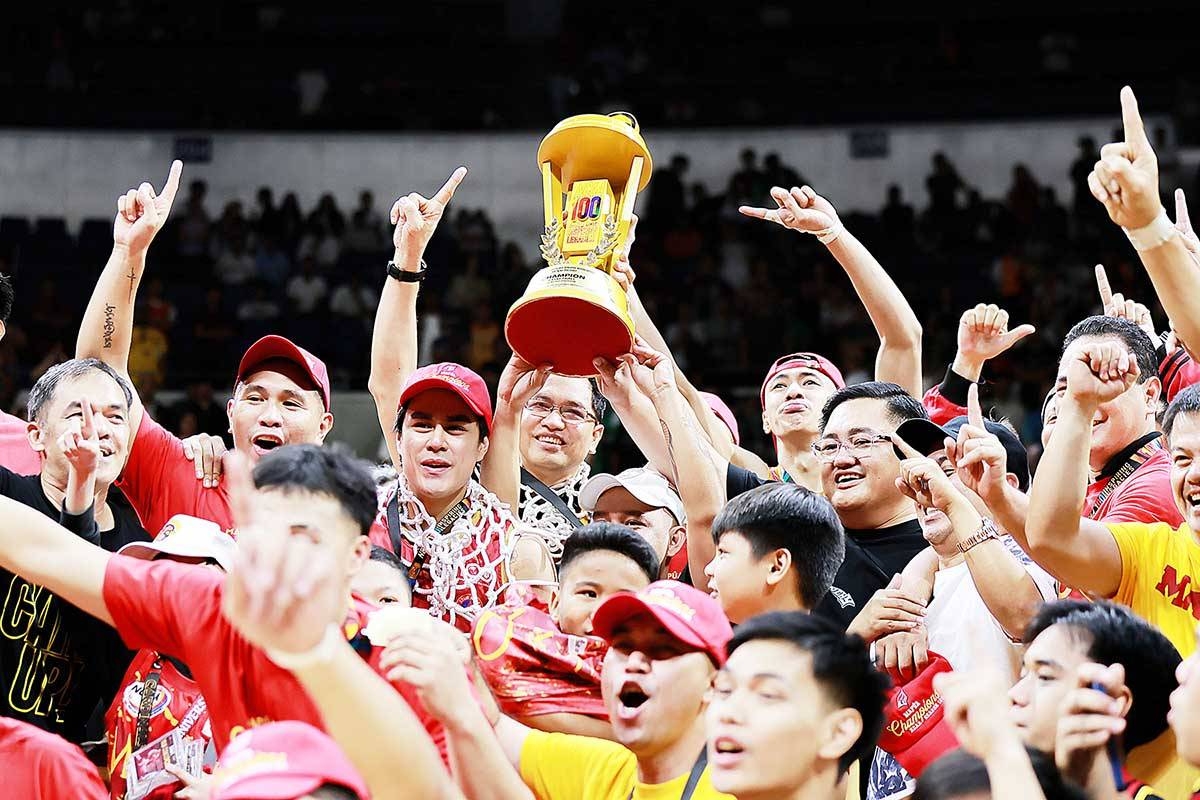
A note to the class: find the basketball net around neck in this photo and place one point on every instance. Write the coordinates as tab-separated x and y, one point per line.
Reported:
537	512
464	571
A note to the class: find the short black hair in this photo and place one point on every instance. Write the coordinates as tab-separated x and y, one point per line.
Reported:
789	517
7	295
333	791
1186	402
901	405
1112	634
959	774
613	537
332	471
385	556
47	385
1137	340
841	666
599	402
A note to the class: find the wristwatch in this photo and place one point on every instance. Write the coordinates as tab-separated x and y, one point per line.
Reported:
407	276
986	531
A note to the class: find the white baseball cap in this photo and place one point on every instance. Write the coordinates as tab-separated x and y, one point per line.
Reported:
187	537
646	485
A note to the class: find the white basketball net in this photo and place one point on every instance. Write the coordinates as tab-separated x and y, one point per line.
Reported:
537	512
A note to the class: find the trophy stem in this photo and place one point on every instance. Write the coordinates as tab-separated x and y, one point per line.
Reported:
551	195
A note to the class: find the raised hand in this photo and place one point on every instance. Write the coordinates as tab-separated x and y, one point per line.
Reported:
434	664
1183	224
1115	305
652	372
983	334
622	272
978	457
903	655
520	381
206	452
80	444
141	213
976	708
1088	719
283	592
1099	372
1125	179
416	217
801	209
923	480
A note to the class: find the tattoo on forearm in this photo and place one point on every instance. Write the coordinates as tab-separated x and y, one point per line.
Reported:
110	325
670	451
132	279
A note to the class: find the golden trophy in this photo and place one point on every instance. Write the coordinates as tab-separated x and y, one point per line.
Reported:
574	310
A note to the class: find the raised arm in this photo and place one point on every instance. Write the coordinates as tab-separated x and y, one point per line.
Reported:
500	472
1125	180
899	359
394	339
107	327
692	471
44	553
1080	552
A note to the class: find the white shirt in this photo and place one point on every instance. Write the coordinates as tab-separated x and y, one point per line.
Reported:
305	293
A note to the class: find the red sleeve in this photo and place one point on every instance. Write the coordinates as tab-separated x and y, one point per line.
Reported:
64	771
158	479
163	605
948	399
1177	372
15	452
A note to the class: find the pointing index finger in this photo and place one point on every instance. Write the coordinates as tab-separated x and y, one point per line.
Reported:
1106	296
447	191
974	412
1182	221
172	185
1135	130
907	449
87	429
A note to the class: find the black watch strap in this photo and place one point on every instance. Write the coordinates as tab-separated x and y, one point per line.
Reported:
405	276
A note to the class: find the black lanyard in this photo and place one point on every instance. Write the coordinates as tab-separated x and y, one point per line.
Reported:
693	777
419	555
146	705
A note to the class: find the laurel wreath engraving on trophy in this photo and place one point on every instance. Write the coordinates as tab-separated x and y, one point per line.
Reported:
607	240
549	248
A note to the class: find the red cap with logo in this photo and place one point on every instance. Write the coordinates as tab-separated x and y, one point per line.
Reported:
690	615
794	360
283	761
914	730
456	378
278	349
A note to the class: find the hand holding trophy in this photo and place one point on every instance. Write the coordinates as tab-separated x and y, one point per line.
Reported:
574	311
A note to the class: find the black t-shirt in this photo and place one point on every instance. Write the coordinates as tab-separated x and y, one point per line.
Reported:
872	558
56	662
739	480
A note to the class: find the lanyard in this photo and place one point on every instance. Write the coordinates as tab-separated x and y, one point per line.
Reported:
693	777
1124	471
419	555
146	705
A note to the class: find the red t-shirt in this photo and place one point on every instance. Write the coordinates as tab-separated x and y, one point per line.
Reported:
1145	496
176	608
37	765
15	452
160	482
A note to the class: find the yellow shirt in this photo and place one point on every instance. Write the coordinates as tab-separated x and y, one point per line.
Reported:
1159	572
559	766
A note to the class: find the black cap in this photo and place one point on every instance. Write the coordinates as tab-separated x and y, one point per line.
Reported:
928	437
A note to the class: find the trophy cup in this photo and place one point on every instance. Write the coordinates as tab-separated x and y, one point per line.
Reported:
573	310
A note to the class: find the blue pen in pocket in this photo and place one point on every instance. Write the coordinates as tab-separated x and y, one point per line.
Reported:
1113	749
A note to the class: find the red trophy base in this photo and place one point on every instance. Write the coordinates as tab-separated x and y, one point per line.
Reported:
568	317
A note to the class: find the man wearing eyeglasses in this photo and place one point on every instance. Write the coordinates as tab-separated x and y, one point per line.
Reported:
560	427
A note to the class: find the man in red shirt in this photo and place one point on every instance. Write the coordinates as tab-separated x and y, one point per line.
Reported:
324	500
281	393
15	452
37	765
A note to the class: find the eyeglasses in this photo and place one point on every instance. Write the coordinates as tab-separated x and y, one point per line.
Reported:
572	415
826	450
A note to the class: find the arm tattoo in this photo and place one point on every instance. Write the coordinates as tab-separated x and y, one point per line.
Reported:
110	325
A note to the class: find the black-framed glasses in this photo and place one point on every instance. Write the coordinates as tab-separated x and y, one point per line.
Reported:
571	415
857	446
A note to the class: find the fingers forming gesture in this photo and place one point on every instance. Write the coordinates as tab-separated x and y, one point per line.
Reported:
983	332
80	444
1125	179
1100	371
141	212
800	209
416	217
1115	305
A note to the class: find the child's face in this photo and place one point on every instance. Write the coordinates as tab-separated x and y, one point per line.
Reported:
587	582
737	578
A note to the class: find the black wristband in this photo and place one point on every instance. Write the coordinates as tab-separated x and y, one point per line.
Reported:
405	276
954	387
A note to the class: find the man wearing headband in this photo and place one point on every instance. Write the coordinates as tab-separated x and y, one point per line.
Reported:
797	385
281	391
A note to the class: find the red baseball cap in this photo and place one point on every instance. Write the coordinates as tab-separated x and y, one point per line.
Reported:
455	378
282	761
793	360
724	414
270	348
914	730
691	616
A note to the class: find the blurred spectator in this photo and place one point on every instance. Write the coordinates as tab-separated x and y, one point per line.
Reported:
307	290
468	288
266	216
194	223
320	244
271	263
484	337
156	311
205	410
235	265
366	232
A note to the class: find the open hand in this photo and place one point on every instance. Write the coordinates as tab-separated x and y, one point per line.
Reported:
207	453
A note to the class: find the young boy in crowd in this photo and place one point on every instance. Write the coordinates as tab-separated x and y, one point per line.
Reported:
778	548
544	668
796	703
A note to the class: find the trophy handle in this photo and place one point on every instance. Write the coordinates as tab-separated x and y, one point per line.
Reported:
551	196
625	217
